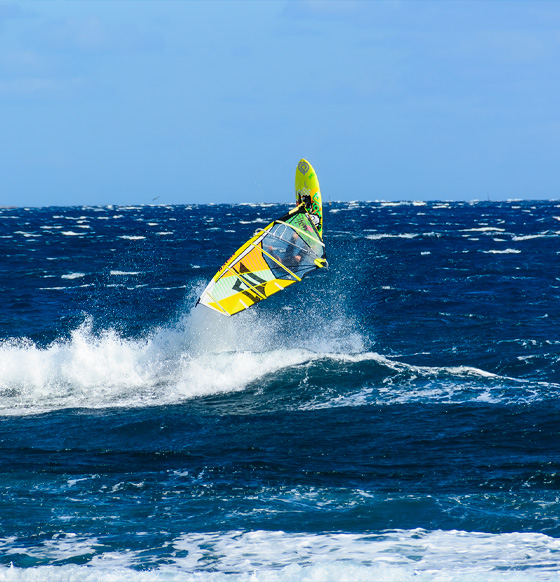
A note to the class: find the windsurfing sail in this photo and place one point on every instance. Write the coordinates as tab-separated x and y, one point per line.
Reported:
283	253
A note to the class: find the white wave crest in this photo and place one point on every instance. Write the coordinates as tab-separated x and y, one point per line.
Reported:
203	354
382	236
73	276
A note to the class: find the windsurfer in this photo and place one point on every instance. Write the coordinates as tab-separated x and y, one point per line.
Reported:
290	256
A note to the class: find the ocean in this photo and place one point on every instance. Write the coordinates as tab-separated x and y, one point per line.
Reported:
393	418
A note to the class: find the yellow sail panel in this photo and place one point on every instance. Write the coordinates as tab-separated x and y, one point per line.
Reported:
274	258
236	302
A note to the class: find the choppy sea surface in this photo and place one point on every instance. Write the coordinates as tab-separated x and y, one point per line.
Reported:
394	418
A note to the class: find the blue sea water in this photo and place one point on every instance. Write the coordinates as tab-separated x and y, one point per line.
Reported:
394	418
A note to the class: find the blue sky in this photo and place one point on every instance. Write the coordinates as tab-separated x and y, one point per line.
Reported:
121	102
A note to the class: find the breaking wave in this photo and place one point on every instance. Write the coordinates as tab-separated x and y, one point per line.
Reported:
204	354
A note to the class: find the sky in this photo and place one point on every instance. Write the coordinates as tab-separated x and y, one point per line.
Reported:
186	101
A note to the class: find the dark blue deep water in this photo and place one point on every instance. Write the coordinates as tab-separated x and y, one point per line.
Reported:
394	418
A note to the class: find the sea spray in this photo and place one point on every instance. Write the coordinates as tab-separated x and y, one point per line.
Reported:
201	353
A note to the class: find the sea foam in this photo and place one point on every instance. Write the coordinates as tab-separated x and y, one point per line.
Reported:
276	556
202	354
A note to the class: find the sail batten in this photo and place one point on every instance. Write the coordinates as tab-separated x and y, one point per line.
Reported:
299	231
281	265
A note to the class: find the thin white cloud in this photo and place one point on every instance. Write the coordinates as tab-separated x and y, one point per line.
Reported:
40	87
10	10
352	10
92	34
18	61
510	46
